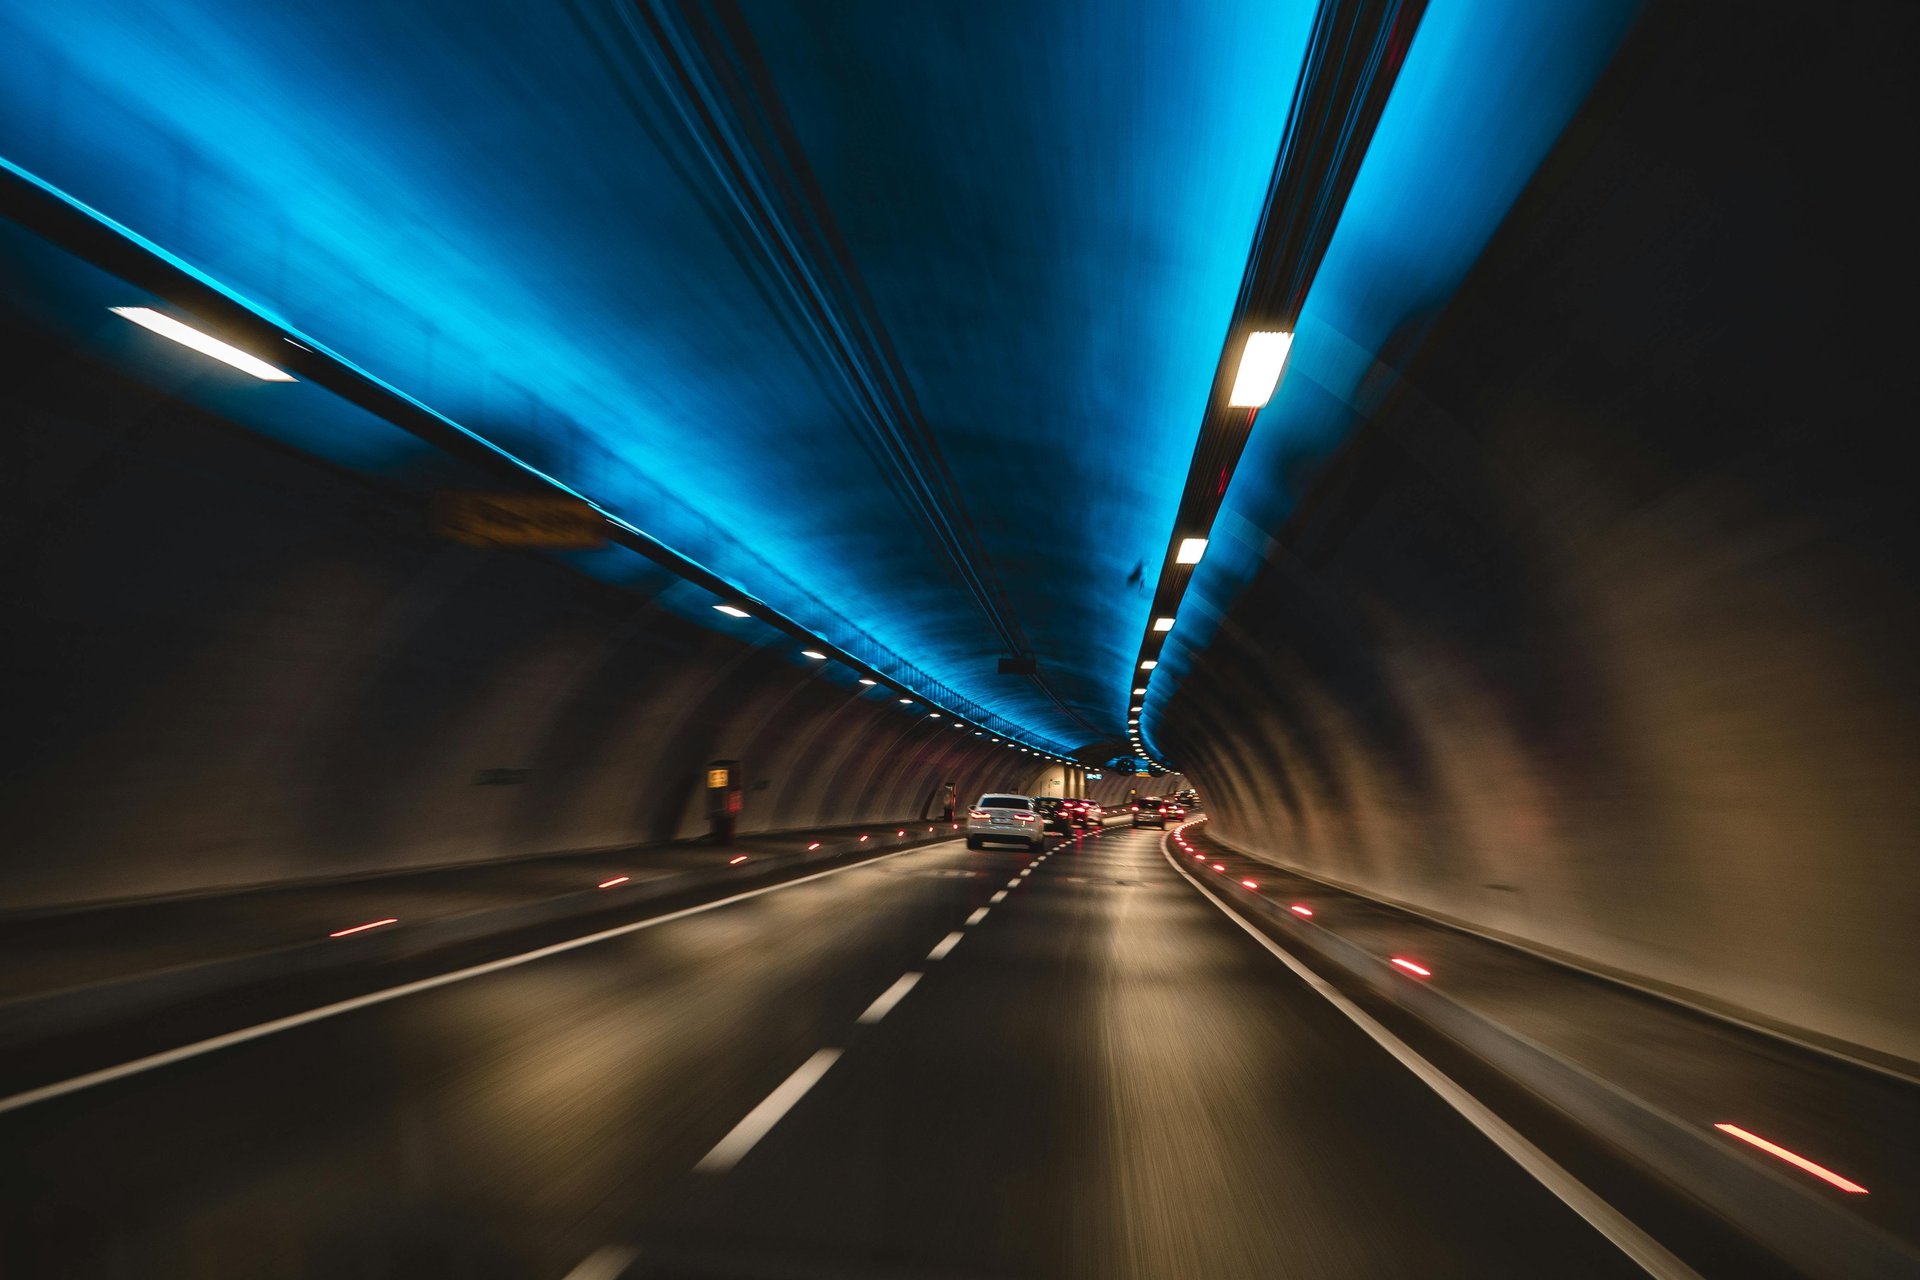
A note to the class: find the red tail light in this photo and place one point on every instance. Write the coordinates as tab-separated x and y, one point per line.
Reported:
977	813
1023	817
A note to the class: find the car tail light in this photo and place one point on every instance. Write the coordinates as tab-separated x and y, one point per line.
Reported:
978	813
1023	817
1134	807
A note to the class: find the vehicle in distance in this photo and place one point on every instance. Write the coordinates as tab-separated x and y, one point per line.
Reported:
1004	819
1056	813
1157	811
1085	813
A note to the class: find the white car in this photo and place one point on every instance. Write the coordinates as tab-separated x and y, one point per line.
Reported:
1007	819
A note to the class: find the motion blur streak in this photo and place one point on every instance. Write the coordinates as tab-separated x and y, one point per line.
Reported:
362	928
1797	1161
1449	456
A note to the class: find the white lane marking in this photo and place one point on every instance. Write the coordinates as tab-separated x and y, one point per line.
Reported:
998	897
1014	883
742	1137
1650	1254
606	1263
107	1075
978	916
946	944
892	996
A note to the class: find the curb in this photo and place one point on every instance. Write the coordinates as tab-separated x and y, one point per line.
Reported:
95	1005
1787	1218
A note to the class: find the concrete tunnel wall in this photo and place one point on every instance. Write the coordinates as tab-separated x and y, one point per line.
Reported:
1600	634
233	665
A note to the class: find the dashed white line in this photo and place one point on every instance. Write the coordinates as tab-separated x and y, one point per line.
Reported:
998	897
977	916
892	996
1014	883
742	1137
946	944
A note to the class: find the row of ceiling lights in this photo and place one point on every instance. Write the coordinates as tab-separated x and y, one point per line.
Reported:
1262	359
208	345
871	680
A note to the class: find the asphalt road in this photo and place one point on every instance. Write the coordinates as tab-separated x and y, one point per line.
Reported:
1100	1076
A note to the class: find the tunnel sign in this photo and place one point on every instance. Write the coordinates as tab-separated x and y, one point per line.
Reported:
716	778
549	521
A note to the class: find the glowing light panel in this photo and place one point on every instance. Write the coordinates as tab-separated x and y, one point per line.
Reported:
1260	363
205	343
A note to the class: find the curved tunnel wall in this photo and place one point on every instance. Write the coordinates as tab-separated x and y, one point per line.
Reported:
1600	633
233	665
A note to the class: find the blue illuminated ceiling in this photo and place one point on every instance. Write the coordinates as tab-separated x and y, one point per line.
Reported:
900	316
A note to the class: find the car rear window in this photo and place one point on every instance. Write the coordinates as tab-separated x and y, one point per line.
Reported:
1004	802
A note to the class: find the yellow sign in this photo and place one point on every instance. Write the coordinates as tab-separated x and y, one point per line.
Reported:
519	520
716	778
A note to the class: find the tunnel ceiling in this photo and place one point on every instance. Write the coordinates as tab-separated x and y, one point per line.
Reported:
902	317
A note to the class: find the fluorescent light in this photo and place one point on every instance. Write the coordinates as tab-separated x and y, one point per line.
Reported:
732	612
1163	624
1142	689
864	680
815	654
1260	363
933	715
1148	665
1191	549
206	344
906	702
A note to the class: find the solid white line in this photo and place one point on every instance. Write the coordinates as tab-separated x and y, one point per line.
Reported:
892	996
1649	1253
946	944
606	1263
108	1074
978	916
741	1138
1000	896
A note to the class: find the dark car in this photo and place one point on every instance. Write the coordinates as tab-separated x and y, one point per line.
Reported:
1084	813
1157	811
1056	812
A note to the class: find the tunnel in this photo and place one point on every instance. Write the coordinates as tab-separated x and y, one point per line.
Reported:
764	640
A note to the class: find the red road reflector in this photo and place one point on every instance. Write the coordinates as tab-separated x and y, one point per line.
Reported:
1411	967
902	831
863	839
813	846
362	928
1250	884
1218	867
1797	1161
736	859
608	884
1300	910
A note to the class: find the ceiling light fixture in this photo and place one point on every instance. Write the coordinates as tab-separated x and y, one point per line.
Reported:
815	654
1149	665
1190	551
732	611
205	343
1163	624
1260	363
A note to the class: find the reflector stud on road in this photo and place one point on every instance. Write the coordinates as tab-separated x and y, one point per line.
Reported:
1797	1161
